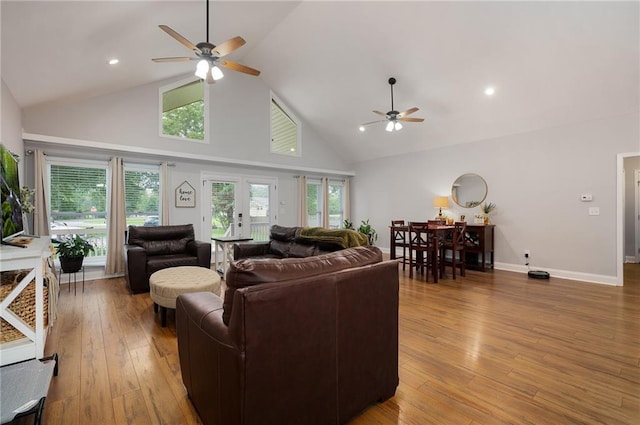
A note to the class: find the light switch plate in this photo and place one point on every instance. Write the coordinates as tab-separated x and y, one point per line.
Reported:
594	211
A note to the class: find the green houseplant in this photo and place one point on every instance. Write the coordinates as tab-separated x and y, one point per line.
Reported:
71	251
365	228
487	208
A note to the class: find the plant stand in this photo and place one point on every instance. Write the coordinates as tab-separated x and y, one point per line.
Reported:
75	283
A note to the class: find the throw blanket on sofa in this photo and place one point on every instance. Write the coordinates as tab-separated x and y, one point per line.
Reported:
345	238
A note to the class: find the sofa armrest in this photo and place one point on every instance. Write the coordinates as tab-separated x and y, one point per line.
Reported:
136	268
209	362
202	250
251	249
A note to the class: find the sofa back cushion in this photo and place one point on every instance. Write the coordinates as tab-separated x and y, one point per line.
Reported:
284	234
280	248
249	272
165	247
161	240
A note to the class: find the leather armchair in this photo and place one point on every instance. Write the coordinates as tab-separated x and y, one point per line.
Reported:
308	341
150	249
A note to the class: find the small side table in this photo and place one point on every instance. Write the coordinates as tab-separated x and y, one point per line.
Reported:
75	282
223	246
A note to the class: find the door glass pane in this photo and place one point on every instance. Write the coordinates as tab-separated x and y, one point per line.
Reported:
222	208
259	211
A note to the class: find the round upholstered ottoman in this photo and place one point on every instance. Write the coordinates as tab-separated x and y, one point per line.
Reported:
166	284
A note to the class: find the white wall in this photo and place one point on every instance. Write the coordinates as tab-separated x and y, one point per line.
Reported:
535	179
240	127
240	123
11	126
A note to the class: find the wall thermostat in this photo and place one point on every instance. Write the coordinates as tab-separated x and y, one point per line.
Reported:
586	198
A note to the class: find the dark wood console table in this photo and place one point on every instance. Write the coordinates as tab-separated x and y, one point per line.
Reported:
480	248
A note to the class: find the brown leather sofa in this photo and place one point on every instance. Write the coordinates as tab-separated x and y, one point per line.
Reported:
295	341
149	249
287	242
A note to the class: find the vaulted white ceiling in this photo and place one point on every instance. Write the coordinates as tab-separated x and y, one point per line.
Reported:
551	63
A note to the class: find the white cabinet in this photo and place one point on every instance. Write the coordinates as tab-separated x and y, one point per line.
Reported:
14	258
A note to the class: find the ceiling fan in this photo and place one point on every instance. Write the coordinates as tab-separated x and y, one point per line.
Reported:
209	56
394	117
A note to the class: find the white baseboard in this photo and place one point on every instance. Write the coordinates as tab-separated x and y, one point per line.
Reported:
630	259
563	274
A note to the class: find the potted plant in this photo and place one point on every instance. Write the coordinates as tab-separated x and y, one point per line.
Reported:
487	208
71	251
365	228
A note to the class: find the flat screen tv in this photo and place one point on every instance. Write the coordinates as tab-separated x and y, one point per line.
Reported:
11	221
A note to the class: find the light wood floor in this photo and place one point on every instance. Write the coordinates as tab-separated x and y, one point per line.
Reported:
491	348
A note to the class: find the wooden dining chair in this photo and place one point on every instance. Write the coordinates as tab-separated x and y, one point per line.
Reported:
399	237
456	244
423	250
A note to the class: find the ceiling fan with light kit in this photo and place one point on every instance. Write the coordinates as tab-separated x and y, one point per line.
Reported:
209	56
393	117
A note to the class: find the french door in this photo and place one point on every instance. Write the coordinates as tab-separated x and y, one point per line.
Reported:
239	206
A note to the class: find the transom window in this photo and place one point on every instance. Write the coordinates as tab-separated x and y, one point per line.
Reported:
285	131
183	109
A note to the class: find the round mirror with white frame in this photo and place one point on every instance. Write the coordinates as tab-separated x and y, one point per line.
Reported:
469	190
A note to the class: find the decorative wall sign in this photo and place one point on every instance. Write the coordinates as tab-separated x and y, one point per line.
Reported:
185	196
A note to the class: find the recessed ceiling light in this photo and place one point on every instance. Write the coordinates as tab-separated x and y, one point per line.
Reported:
361	128
113	61
490	91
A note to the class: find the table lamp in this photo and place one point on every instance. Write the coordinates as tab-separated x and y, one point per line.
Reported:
440	202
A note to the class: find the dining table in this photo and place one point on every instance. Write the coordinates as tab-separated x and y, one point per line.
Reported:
440	230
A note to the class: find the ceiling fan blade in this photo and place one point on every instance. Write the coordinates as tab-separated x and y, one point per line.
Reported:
411	119
228	46
373	122
407	112
238	67
380	113
189	45
173	59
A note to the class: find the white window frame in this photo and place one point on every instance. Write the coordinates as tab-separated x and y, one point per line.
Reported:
206	119
343	201
284	108
321	200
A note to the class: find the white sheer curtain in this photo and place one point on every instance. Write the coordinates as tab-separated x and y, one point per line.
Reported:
164	196
41	196
325	202
117	221
302	201
347	200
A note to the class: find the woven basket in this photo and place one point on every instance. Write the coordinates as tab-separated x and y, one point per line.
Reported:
24	306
